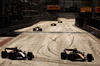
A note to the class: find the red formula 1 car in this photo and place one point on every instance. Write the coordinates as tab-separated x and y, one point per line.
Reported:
75	55
16	54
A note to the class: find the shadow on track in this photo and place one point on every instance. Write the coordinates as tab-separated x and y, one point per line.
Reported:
10	34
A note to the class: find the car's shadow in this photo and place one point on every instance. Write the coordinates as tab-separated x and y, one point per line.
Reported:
10	34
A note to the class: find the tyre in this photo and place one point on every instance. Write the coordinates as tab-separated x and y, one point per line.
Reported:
59	21
34	29
89	57
30	55
4	54
40	29
63	55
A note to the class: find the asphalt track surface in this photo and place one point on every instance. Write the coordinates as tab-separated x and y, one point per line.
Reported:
48	44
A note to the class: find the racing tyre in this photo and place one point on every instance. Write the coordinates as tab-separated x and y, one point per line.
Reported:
30	55
40	29
90	57
34	29
63	55
59	21
51	25
4	54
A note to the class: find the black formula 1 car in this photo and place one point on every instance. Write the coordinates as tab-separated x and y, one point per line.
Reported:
53	24
16	54
59	21
75	55
37	29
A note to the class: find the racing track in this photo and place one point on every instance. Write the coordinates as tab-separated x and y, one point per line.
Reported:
48	44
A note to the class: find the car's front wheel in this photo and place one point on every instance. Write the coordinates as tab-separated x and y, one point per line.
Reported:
30	55
40	29
63	55
89	57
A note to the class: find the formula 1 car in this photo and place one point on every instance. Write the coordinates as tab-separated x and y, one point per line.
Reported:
53	24
76	55
16	54
59	21
37	29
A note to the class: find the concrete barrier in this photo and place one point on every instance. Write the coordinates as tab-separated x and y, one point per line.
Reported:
87	25
99	33
87	28
91	30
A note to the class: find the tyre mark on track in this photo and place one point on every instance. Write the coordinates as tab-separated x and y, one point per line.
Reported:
71	43
51	50
36	41
53	40
41	52
48	48
2	63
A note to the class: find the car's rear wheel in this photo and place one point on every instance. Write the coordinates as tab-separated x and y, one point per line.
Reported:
89	57
4	54
30	55
63	55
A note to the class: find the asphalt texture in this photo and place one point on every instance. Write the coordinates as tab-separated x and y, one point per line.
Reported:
47	45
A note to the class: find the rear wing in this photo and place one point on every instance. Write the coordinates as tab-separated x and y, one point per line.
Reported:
71	49
11	49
